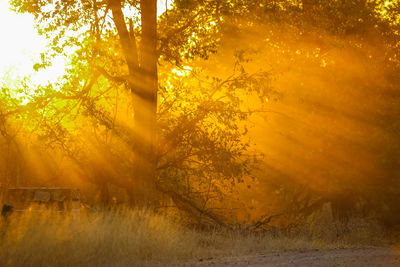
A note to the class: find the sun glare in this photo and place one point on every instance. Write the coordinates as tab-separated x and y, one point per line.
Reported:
182	71
20	49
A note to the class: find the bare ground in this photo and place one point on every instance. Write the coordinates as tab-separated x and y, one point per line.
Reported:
372	256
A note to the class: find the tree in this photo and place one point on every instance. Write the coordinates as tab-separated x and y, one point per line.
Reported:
141	50
200	160
305	37
122	44
141	64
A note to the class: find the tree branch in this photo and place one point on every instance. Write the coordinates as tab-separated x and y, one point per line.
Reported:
117	79
165	40
127	40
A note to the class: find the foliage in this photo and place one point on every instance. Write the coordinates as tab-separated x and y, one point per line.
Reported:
202	148
201	124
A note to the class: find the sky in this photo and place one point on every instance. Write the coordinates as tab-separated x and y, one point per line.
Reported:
21	45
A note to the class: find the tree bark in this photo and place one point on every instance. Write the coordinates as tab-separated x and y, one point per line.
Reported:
143	83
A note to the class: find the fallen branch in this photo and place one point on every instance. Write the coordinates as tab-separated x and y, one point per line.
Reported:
189	206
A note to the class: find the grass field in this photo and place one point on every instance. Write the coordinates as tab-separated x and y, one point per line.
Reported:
142	237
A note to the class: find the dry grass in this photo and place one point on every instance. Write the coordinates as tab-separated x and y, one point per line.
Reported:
128	238
321	228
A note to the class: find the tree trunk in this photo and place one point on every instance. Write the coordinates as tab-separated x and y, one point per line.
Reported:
105	198
143	83
343	207
146	102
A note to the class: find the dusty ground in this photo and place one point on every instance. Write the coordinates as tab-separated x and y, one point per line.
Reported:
364	257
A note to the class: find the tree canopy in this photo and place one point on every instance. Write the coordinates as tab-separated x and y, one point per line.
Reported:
159	106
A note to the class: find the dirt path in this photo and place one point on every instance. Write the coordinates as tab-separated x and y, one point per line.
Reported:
364	257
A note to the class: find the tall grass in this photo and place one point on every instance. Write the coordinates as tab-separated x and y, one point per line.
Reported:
127	238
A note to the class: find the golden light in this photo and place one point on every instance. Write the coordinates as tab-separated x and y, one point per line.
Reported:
20	49
182	71
21	46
